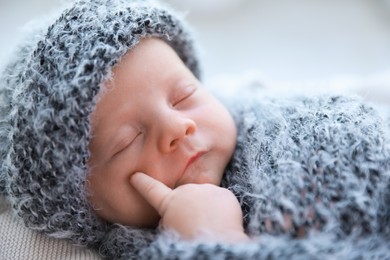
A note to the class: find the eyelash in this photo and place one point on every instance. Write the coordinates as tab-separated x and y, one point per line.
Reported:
188	92
126	143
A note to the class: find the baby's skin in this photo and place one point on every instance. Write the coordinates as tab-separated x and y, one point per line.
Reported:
195	211
153	116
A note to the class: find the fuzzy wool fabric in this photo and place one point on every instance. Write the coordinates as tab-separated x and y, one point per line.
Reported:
312	175
48	92
20	243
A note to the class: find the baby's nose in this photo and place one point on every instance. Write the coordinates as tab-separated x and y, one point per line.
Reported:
173	130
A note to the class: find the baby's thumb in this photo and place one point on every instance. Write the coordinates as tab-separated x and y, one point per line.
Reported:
152	190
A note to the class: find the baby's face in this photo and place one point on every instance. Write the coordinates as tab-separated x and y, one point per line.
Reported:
154	117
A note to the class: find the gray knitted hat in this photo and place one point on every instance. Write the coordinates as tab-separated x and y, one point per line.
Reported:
48	93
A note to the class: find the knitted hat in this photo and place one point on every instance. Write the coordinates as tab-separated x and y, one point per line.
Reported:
49	92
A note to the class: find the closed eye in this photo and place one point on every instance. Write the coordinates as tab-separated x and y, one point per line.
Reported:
184	94
125	143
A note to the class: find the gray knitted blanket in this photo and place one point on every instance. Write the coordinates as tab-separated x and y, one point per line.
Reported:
313	179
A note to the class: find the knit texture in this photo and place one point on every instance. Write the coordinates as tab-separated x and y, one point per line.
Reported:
47	95
312	175
20	243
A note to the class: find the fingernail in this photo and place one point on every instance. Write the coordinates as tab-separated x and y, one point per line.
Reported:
137	173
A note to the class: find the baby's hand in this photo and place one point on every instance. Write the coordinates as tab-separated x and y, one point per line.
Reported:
195	211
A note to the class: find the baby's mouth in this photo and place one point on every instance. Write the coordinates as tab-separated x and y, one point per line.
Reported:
191	160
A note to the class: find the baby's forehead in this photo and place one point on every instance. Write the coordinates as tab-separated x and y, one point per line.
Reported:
143	71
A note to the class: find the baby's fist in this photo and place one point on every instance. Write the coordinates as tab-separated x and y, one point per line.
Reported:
195	211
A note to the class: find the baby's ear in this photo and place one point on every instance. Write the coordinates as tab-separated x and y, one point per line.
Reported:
152	190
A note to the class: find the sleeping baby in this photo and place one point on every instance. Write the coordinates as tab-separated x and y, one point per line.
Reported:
110	141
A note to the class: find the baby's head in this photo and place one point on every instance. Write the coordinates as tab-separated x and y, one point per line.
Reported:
154	116
109	89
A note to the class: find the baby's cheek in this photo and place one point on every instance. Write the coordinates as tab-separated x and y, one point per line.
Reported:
133	210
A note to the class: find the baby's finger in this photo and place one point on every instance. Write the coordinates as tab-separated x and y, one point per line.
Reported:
151	189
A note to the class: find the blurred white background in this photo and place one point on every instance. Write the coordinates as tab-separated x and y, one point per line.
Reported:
287	40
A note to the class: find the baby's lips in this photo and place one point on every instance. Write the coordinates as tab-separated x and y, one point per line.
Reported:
190	161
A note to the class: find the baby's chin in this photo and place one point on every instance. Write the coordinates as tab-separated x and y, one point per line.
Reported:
201	177
207	169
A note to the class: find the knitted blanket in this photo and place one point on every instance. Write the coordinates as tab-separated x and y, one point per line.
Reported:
313	179
312	176
20	243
